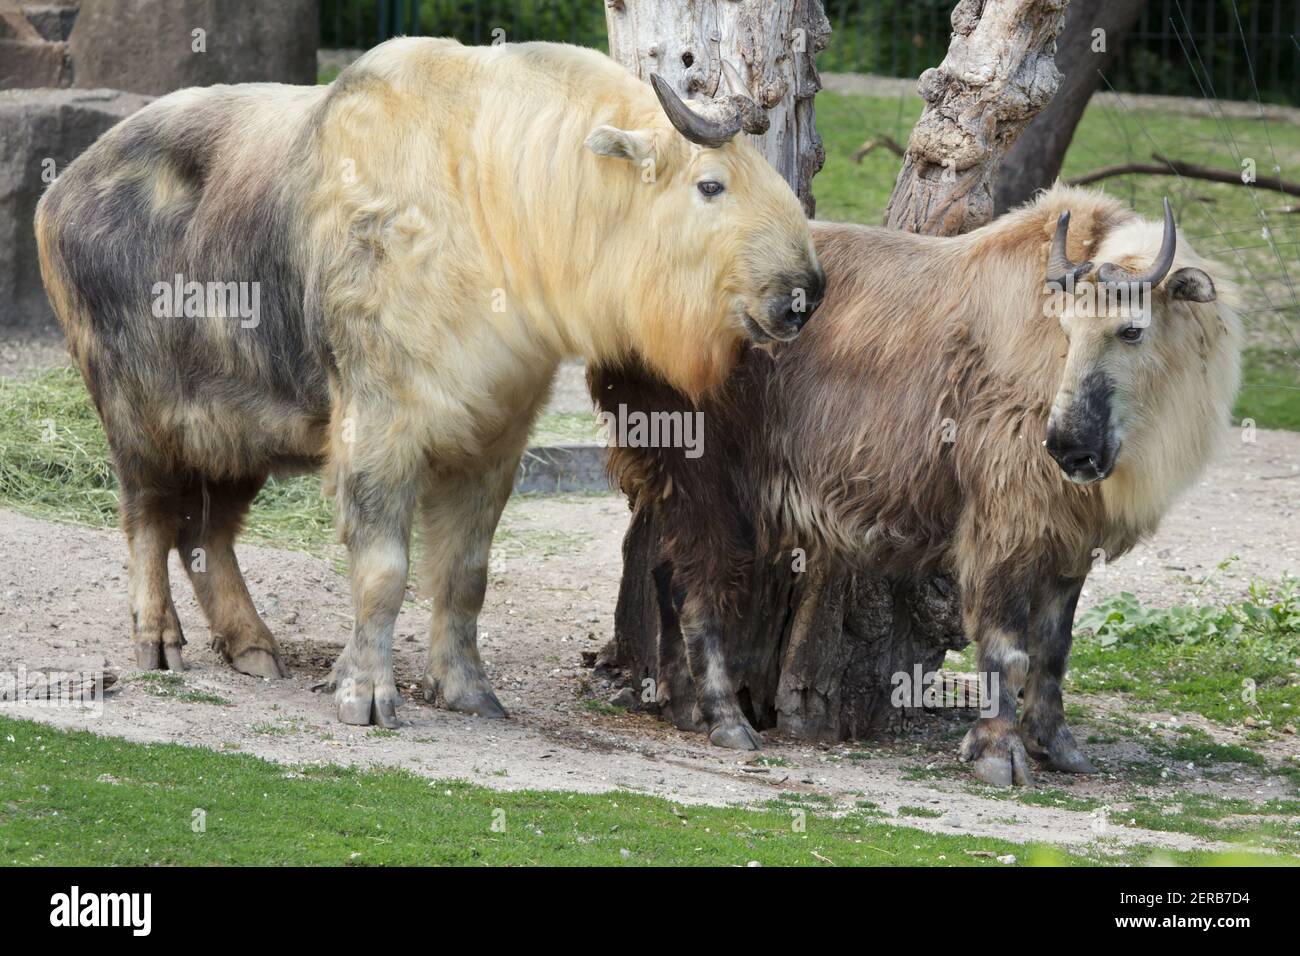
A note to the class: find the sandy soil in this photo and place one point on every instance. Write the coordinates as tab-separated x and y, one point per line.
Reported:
23	351
554	580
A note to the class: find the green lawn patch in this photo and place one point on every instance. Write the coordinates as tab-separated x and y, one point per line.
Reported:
1228	662
77	798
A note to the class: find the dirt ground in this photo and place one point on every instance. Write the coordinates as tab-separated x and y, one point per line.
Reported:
554	581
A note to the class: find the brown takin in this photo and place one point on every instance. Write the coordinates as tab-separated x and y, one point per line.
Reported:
949	411
379	277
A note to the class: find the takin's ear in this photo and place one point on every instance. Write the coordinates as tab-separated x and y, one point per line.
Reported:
1192	285
633	145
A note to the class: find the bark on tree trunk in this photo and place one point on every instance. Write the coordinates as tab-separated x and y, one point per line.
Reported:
770	42
1082	55
817	649
997	76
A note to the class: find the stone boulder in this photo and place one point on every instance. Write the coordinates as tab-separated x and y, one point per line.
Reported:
149	47
33	47
44	130
52	19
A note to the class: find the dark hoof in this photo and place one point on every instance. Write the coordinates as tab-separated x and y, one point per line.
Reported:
1071	762
259	662
481	703
172	656
994	769
354	699
735	737
998	755
148	657
476	698
1061	753
359	704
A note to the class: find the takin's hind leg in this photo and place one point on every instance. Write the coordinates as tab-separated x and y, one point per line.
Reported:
210	520
460	513
1042	724
149	517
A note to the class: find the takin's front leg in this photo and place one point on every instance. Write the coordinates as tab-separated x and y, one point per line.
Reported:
460	512
1042	725
715	696
375	507
996	615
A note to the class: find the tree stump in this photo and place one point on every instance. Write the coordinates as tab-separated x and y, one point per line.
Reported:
813	653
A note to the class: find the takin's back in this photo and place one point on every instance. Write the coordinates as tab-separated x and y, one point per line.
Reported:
228	197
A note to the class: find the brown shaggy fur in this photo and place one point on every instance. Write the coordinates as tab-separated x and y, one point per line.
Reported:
903	432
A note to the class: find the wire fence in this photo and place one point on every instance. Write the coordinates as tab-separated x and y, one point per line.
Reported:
897	38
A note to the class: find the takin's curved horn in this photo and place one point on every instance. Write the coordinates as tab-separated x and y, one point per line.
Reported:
1059	266
712	123
1111	274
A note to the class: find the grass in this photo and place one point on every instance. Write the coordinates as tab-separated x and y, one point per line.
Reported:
171	686
1270	391
1268	825
1265	826
1227	662
74	797
565	428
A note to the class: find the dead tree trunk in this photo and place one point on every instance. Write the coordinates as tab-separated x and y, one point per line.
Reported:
818	647
770	42
1094	31
998	74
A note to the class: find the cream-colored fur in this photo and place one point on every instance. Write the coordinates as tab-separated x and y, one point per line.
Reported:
431	234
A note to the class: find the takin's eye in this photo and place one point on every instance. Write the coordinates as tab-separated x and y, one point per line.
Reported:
1130	333
709	188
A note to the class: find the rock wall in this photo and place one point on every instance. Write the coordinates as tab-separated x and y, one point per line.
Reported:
70	69
34	43
44	130
150	47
